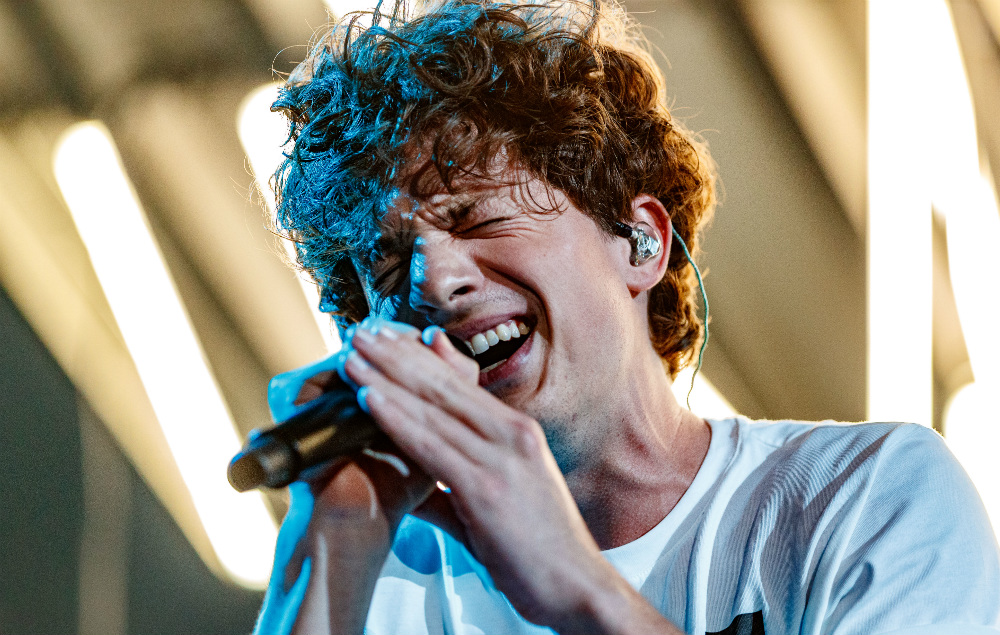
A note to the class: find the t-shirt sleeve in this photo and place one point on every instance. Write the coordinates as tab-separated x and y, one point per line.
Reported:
919	554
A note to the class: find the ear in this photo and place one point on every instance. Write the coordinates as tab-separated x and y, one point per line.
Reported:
650	211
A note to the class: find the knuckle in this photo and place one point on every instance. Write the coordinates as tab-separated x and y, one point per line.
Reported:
450	382
442	384
491	486
521	423
527	434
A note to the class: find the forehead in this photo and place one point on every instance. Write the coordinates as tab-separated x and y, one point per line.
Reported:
442	207
422	196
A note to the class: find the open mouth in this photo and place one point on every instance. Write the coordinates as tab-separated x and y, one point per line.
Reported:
494	346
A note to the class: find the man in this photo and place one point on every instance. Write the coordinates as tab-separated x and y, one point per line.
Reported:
510	175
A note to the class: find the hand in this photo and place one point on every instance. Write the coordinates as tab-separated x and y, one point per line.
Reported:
339	526
401	485
506	490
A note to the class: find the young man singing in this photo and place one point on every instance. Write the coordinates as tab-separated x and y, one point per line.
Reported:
510	175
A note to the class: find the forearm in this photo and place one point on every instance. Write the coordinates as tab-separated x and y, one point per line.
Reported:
327	560
346	559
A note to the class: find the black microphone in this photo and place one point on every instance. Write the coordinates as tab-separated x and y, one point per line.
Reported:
331	426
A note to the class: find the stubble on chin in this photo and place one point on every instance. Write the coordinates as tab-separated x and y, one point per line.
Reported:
564	442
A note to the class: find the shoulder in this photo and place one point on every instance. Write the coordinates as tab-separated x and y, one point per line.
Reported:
782	457
874	470
906	461
807	436
921	550
814	452
889	528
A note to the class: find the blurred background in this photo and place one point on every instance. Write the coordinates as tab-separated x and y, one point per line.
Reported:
853	265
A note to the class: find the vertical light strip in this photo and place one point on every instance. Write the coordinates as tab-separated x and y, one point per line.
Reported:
167	355
899	214
972	431
973	230
966	199
262	134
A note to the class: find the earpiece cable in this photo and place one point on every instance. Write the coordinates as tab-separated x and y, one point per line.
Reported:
704	299
628	232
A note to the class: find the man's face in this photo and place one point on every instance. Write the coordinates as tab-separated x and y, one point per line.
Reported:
509	254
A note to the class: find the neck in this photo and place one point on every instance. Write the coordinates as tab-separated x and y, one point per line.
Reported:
644	453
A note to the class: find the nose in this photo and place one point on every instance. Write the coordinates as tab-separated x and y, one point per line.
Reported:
443	274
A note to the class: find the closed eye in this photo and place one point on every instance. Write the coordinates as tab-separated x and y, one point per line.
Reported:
473	230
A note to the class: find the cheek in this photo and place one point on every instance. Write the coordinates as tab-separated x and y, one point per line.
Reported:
588	276
590	301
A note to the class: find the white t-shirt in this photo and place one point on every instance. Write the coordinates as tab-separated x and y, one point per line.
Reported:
788	527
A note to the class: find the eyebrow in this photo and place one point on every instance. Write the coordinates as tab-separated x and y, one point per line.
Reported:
461	206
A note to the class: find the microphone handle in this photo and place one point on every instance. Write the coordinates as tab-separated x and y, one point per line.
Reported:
332	425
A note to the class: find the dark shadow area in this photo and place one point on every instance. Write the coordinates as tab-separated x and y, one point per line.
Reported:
168	588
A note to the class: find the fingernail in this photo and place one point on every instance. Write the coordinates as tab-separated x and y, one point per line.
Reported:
391	459
364	335
427	337
342	359
356	361
367	396
378	326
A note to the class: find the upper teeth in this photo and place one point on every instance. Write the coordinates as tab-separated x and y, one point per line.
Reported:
480	342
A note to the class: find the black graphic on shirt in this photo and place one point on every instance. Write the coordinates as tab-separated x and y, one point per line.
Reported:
744	624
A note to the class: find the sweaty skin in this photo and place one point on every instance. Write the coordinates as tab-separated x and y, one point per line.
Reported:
573	445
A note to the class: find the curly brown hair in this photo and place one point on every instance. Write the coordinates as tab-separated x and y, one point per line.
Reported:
567	90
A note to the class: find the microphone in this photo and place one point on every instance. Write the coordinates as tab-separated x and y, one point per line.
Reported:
331	426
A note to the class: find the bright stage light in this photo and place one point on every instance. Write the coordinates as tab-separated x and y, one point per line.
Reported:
899	213
964	196
167	355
